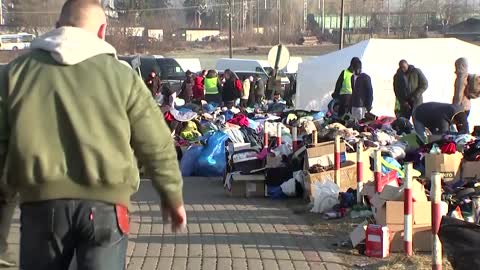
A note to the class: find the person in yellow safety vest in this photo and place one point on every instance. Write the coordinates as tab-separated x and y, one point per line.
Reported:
212	87
343	88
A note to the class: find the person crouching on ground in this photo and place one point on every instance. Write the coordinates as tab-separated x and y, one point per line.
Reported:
438	118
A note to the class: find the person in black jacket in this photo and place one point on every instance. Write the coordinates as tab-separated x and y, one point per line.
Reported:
409	84
230	93
362	94
438	117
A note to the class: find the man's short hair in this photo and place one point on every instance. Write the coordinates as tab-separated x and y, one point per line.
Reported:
403	62
76	13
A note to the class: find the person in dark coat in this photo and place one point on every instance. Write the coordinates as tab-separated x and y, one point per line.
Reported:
409	84
229	93
154	83
362	94
259	90
187	87
344	87
438	117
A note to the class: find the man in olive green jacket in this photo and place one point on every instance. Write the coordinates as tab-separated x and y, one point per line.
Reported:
70	114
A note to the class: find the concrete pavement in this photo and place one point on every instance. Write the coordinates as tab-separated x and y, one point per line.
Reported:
223	233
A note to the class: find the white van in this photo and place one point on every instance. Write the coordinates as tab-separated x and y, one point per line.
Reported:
239	65
192	64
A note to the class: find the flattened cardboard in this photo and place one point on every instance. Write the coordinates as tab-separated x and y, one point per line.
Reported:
448	165
422	238
358	235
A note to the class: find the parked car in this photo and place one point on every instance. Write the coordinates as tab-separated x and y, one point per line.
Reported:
251	65
168	69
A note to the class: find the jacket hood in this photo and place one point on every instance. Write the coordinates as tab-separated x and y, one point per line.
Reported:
72	45
461	66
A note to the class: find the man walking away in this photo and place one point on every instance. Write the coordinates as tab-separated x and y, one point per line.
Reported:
69	143
343	88
409	84
362	95
460	96
246	91
438	117
259	90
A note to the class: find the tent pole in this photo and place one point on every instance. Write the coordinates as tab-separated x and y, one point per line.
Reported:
341	25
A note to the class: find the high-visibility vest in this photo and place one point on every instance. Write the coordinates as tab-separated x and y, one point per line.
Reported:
211	86
347	83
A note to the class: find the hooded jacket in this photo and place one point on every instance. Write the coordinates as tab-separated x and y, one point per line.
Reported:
461	82
410	87
437	117
70	114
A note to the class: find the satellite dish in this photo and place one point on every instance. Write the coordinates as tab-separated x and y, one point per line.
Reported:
279	53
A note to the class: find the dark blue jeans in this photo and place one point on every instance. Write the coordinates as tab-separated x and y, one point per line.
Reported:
52	231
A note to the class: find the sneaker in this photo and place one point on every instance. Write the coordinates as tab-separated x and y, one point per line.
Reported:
6	261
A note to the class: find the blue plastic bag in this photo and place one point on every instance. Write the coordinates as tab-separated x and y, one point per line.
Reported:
189	160
212	161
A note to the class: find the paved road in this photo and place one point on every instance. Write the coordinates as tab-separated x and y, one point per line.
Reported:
223	233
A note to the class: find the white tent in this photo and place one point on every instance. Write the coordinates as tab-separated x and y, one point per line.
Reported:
380	57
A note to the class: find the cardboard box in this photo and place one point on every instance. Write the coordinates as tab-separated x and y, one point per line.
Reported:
470	170
348	179
367	173
422	238
448	165
393	193
246	186
393	213
323	154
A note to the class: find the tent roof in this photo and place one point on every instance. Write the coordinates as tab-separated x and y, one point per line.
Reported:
380	57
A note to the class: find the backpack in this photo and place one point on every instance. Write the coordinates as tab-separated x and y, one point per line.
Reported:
238	85
473	87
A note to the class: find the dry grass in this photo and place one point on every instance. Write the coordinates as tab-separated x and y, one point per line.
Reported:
336	232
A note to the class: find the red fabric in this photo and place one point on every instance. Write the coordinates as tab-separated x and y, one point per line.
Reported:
169	117
239	120
238	85
449	148
198	88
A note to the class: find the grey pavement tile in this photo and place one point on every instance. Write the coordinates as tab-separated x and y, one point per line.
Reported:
224	264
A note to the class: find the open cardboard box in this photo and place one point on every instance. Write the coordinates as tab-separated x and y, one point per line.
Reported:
348	178
448	165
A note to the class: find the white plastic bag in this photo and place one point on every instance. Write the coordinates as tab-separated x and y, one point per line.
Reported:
325	195
288	187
